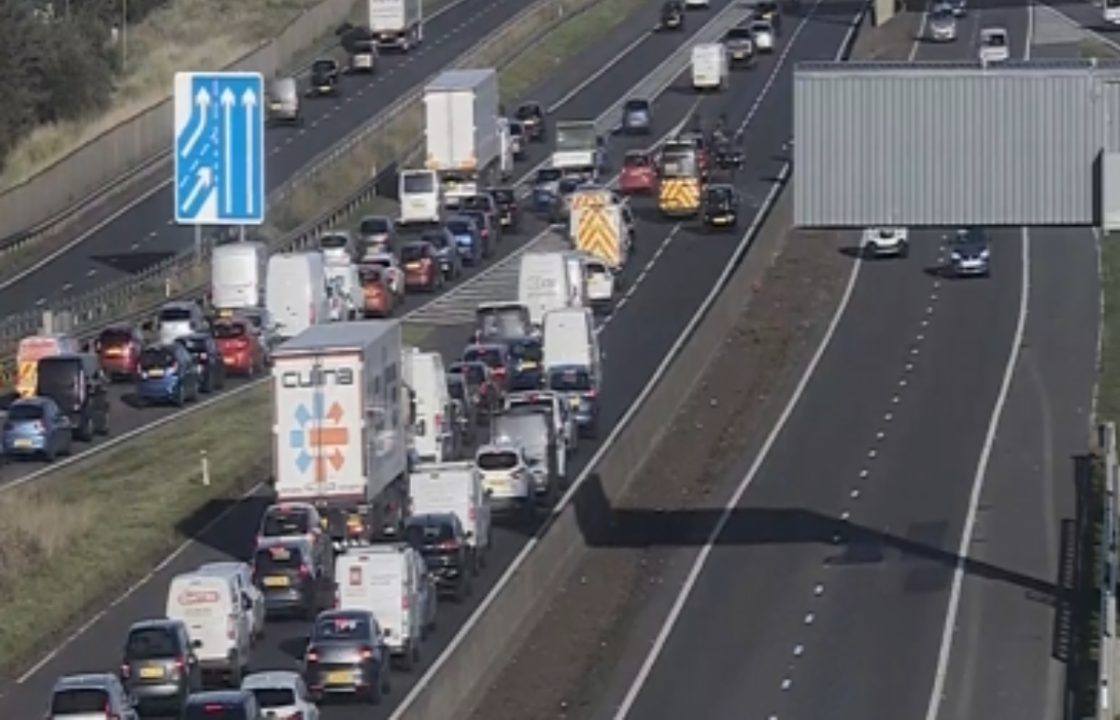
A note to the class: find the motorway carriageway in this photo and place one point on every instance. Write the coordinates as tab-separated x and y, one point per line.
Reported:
145	233
824	591
634	341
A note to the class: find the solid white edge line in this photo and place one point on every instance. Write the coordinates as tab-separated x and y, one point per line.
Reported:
918	37
599	73
131	434
977	487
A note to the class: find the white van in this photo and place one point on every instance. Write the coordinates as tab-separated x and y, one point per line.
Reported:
569	339
454	487
296	294
709	66
433	435
391	581
543	284
344	290
237	275
338	246
208	604
577	285
419	196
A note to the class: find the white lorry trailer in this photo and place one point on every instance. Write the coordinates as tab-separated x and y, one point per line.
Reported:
397	24
462	132
709	66
339	426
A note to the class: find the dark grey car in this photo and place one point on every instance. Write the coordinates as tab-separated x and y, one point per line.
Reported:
969	253
159	668
346	655
447	254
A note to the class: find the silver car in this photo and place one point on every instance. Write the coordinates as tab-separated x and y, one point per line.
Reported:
762	33
283	101
943	25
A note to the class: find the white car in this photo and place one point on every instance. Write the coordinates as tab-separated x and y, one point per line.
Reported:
994	45
506	478
242	576
762	33
880	241
281	694
393	271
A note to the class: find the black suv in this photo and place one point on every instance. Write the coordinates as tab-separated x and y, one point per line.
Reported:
721	206
324	77
204	351
159	668
509	214
442	541
672	15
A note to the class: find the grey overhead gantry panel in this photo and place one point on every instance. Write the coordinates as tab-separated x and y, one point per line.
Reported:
953	143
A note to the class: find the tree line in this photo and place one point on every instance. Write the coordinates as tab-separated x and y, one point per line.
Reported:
57	60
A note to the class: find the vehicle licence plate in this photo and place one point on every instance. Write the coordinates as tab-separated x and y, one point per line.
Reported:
21	443
574	402
155	372
151	673
340	677
276	581
412	266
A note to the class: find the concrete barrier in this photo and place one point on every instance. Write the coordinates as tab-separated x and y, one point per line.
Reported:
140	142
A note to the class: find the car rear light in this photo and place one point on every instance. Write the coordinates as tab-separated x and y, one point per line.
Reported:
367	653
231	627
312	656
297	715
449	544
305	571
439	421
590	394
406	602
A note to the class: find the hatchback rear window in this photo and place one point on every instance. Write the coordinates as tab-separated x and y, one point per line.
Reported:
636	161
373	226
274	697
174	315
115	337
439	240
418	534
569	379
79	700
151	643
333	242
490	356
739	33
212	710
342	627
286	522
156	358
413	252
194	345
225	331
497	460
459	227
25	411
277	558
504	196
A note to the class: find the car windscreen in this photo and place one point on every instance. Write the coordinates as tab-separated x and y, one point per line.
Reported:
342	627
419	183
79	700
437	239
545	175
226	331
503	196
527	112
156	358
996	40
527	351
476	202
113	337
194	345
374	226
570	380
174	315
760	27
636	161
199	710
149	643
25	411
428	532
274	697
459	227
286	522
498	460
322	66
412	252
739	33
277	558
478	216
490	356
333	242
457	390
369	274
575	137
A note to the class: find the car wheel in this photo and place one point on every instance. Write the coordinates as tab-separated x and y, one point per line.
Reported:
904	251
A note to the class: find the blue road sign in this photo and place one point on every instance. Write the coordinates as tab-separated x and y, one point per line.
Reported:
219	148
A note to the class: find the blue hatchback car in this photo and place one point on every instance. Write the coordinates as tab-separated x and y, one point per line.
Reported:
35	426
168	373
468	239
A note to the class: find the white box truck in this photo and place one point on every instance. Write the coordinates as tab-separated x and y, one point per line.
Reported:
237	275
433	432
461	130
340	426
396	24
543	284
709	66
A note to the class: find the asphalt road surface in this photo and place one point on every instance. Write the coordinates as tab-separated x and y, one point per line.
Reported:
674	268
826	592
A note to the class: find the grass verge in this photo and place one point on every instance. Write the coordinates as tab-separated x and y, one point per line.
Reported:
83	534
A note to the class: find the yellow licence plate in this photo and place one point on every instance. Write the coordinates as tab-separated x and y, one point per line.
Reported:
529	365
150	673
276	581
574	402
22	443
340	677
155	372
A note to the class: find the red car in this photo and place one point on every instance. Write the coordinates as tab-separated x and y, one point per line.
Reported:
639	173
421	266
379	299
118	349
240	346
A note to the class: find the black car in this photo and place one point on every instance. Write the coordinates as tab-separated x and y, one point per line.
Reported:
442	541
450	262
637	117
346	654
721	206
211	370
969	252
324	77
672	15
158	666
531	117
79	388
527	371
509	214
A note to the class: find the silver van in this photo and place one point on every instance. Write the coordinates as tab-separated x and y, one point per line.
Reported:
283	101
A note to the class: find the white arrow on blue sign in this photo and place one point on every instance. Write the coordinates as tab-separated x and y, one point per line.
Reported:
219	148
